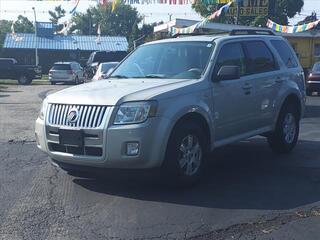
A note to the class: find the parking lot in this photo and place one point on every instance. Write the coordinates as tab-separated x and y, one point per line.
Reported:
247	193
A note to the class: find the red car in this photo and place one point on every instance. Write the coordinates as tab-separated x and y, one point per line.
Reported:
313	81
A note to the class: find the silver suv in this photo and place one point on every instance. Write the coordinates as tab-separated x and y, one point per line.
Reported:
172	101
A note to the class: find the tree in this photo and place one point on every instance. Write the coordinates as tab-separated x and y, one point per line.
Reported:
23	25
5	27
312	18
58	13
279	11
123	21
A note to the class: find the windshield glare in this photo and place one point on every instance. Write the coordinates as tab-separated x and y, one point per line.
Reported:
180	60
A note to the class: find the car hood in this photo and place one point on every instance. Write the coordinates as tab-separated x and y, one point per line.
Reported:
113	92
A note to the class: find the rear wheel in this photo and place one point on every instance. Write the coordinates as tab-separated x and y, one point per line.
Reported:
184	160
53	83
24	80
285	136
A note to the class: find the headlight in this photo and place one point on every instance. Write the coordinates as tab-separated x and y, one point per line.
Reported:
43	109
135	112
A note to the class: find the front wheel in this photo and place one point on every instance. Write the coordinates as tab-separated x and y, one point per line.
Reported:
285	136
184	160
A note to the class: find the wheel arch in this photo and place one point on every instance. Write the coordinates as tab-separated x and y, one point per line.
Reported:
198	118
293	99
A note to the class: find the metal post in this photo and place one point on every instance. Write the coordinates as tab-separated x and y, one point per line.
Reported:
36	35
238	13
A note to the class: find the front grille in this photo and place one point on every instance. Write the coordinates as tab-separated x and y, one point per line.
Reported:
89	116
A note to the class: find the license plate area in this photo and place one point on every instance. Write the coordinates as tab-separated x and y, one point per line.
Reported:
74	138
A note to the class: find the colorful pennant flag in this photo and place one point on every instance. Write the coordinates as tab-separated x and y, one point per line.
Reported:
201	24
291	29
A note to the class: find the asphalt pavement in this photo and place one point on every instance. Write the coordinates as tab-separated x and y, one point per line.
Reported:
247	192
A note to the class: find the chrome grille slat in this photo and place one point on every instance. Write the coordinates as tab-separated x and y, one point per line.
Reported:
86	122
101	115
95	119
89	116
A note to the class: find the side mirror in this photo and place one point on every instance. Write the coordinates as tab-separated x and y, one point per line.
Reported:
229	72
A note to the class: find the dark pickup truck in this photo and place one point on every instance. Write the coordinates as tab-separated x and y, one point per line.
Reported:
10	69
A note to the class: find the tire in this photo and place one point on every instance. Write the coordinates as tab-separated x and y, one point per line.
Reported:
24	80
286	134
76	81
185	155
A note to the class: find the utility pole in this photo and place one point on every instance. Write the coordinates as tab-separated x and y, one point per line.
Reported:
36	35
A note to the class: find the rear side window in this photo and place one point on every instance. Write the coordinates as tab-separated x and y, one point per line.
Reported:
231	54
285	53
61	67
259	58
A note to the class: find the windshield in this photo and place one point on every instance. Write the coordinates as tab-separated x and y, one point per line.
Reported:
179	60
316	67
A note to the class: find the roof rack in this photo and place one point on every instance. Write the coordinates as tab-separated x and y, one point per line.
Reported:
179	35
236	32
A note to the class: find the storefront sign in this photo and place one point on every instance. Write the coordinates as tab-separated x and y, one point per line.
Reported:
250	8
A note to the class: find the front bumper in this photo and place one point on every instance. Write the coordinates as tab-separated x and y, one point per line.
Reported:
152	137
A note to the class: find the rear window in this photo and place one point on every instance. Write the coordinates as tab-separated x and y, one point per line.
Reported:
259	58
61	67
285	53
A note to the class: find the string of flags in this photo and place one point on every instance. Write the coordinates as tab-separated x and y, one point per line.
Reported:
192	28
291	29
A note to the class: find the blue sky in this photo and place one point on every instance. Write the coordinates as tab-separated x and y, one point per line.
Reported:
10	9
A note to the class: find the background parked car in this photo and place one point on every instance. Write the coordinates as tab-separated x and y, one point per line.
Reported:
98	57
103	70
66	72
10	69
313	82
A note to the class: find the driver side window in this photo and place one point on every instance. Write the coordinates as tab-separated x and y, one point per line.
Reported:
231	54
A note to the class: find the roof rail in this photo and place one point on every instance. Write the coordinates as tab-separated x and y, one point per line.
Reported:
179	35
236	32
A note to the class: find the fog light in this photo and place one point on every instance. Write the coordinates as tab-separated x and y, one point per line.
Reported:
132	149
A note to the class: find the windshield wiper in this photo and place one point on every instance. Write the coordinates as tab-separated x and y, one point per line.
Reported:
152	76
118	76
